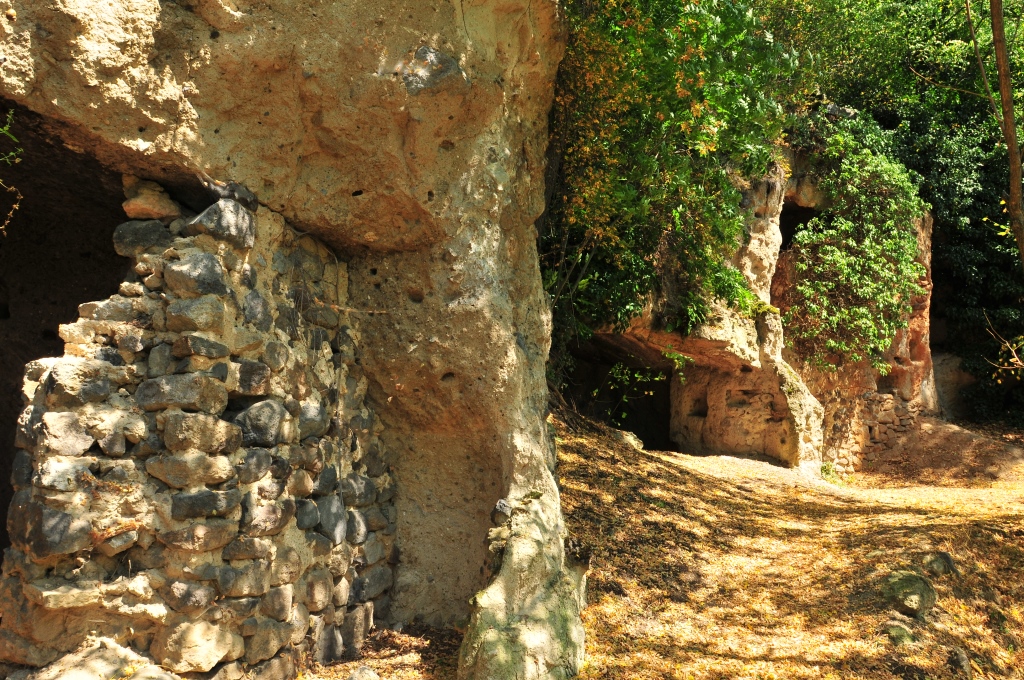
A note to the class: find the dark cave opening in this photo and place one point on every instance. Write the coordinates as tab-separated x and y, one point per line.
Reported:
792	219
624	394
57	253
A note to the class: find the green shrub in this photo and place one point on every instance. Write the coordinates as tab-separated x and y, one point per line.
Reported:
657	103
855	264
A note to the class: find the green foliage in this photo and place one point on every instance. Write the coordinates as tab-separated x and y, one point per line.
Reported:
855	264
911	67
10	156
657	103
629	383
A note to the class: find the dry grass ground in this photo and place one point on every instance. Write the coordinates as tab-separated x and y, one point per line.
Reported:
723	568
715	568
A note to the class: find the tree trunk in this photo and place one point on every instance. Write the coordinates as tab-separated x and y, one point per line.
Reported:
1015	202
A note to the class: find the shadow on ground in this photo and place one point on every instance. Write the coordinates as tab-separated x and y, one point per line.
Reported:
723	568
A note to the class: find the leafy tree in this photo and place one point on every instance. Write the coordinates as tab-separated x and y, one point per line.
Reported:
658	104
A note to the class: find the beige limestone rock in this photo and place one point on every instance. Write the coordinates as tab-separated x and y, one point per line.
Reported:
102	659
427	182
191	647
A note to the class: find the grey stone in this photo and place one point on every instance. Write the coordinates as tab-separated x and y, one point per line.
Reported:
288	566
42	531
26	434
118	544
940	564
319	589
321	315
193	391
355	626
333	518
960	663
253	378
255	464
159	362
131	239
232	670
204	503
21	470
357	527
252	580
373	549
197	345
188	597
314	419
363	673
267	641
261	423
226	220
299	621
247	548
266	520
195	275
898	633
277	603
328	644
279	668
306	514
257	311
251	624
326	482
210	535
270	488
358	491
204	313
74	382
375	519
275	355
911	593
372	583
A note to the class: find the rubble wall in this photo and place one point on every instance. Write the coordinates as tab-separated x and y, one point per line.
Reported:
199	477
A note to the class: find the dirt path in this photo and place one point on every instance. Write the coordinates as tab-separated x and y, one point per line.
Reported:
719	568
724	568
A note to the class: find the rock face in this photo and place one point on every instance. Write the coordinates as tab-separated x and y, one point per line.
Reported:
411	142
745	393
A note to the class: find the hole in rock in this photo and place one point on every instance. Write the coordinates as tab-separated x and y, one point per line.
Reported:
58	253
415	295
792	219
357	192
620	391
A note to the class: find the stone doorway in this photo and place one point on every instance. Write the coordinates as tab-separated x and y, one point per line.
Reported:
57	254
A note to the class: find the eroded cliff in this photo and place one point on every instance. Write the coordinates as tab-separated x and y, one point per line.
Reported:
410	141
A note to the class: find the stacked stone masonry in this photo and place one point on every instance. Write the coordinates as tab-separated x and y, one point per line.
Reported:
198	477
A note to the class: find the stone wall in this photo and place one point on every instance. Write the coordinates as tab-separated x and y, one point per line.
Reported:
410	139
199	477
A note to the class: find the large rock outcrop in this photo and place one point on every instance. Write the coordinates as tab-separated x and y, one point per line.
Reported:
411	141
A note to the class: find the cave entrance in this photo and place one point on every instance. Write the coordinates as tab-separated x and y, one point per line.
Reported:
57	254
793	218
623	392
